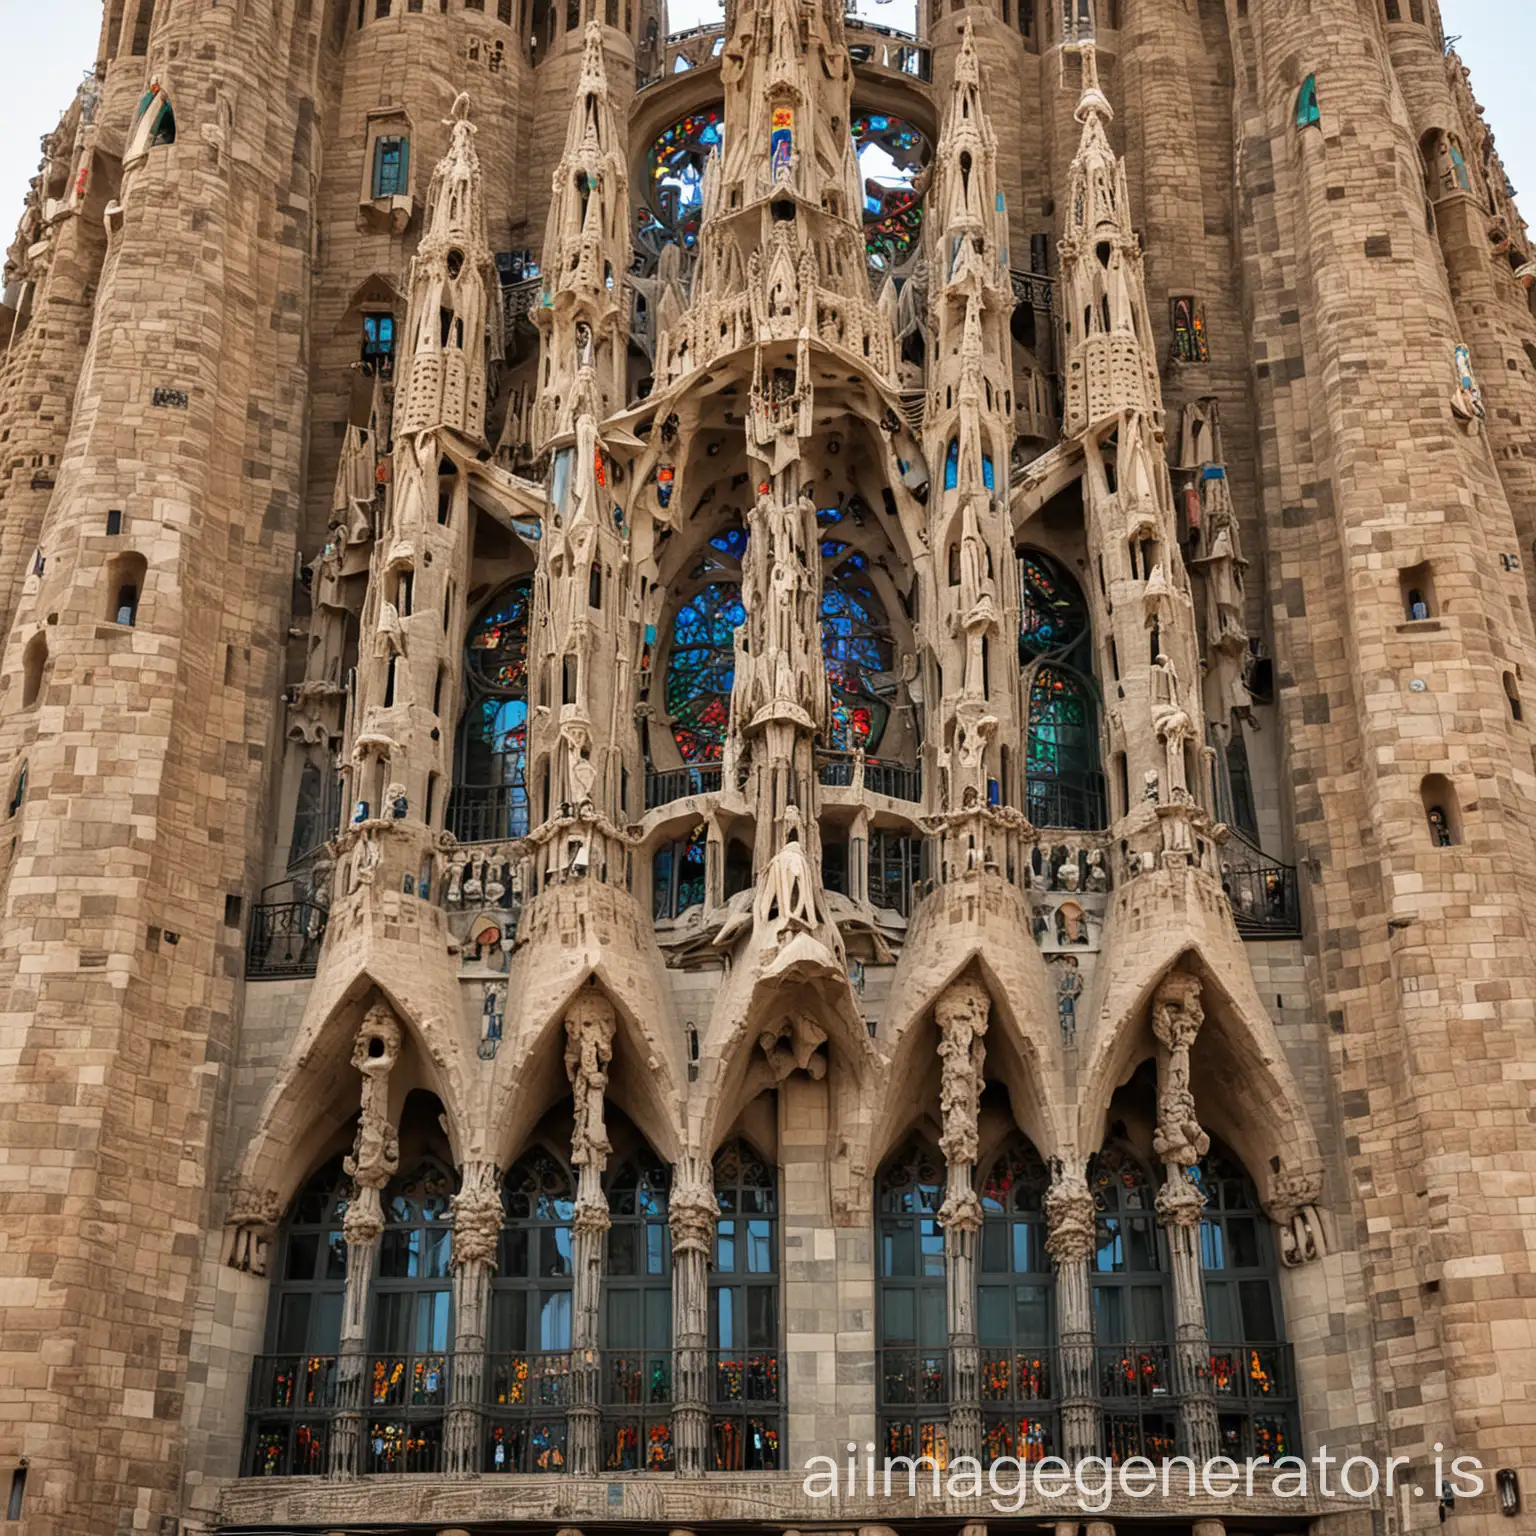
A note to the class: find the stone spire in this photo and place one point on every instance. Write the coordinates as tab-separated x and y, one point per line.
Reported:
455	299
578	653
583	313
969	437
399	745
1143	612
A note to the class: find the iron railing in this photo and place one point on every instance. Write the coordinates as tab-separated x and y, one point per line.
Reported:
1264	894
400	1404
1056	803
677	783
284	939
488	813
837	771
746	1412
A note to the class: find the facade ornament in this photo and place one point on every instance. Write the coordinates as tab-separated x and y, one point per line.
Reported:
251	1221
691	1212
1069	987
1292	1204
1070	1216
961	1012
375	1156
1176	1020
477	1215
589	1026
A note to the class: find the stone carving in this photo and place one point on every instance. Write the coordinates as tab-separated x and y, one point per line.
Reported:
251	1222
589	1027
794	1045
1069	987
1176	1020
1070	1216
961	1012
375	1156
477	1215
1173	725
1292	1205
691	1212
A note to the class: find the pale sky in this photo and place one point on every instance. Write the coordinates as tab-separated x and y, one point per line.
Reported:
47	47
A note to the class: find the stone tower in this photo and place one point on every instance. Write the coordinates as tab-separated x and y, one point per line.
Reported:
793	739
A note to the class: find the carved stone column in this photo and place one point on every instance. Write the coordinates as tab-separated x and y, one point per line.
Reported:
692	1211
961	1013
589	1025
1180	1143
375	1159
477	1217
1070	1227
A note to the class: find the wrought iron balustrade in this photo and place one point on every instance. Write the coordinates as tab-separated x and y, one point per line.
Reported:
1264	894
635	1396
838	770
913	1398
284	939
1079	806
488	813
677	783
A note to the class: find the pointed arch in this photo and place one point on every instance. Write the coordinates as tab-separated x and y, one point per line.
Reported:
1245	1091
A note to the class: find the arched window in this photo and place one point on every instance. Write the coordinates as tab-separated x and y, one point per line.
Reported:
745	1410
1308	114
293	1384
637	1320
528	1373
33	660
1130	1308
490	796
857	645
1064	786
1250	1371
410	1331
155	123
1015	1326
701	669
678	874
912	1317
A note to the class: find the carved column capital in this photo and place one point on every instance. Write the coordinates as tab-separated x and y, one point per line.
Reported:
961	1212
1179	1202
376	1152
1070	1217
477	1215
961	1013
691	1211
1176	1019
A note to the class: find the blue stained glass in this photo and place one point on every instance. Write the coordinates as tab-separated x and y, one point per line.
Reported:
732	541
986	470
702	668
1054	616
832	548
952	464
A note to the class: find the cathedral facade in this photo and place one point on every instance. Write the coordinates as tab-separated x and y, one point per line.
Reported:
789	746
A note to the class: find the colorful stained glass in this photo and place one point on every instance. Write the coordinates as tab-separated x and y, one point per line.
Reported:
498	640
1054	616
1017	1181
1061	738
702	668
857	645
891	154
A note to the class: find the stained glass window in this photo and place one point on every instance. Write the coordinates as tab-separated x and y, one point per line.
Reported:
1064	786
528	1367
490	798
292	1387
678	874
1249	1371
701	669
1014	1322
1054	616
744	1313
911	1370
891	154
857	644
636	1386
